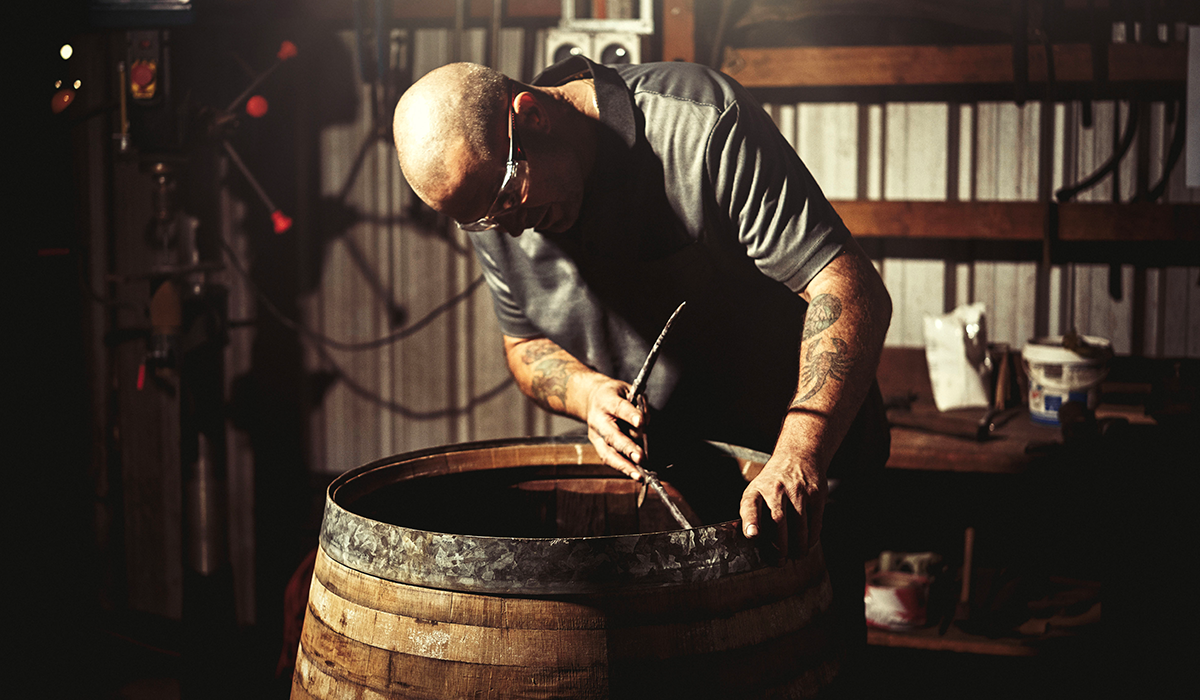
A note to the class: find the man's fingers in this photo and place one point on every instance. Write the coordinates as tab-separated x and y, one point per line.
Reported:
754	506
612	401
614	424
748	510
619	442
628	413
780	517
614	458
799	522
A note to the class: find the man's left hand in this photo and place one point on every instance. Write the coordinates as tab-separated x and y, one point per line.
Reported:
786	501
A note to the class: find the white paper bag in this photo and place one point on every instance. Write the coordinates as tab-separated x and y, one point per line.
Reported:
956	351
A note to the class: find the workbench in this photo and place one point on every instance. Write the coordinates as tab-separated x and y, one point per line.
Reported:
939	484
904	373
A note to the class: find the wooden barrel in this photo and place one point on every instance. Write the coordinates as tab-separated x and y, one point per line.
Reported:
527	569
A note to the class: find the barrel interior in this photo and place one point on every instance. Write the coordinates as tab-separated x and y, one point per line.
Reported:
537	493
514	503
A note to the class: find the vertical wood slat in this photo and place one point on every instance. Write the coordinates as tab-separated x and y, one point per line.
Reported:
916	157
1179	290
240	454
147	420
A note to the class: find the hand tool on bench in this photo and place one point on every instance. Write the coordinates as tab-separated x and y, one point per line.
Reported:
979	430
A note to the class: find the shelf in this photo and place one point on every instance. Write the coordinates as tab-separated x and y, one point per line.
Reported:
1068	613
1006	452
441	10
876	66
953	640
956	640
1020	221
903	373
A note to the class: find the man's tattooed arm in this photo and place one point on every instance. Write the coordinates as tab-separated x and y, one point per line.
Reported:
542	369
823	312
848	314
549	372
559	382
818	367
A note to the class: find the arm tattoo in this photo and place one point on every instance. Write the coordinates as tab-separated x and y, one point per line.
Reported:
823	312
818	367
536	350
550	381
549	374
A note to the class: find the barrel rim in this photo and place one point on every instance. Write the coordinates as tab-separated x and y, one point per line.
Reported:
526	565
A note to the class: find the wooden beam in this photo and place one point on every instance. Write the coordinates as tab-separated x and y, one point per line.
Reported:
837	66
1013	221
1138	221
420	10
1020	221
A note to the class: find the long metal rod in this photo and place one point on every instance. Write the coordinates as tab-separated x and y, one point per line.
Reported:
635	393
639	382
237	160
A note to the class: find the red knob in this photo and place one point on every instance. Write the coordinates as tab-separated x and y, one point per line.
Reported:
281	221
61	100
256	106
286	50
141	74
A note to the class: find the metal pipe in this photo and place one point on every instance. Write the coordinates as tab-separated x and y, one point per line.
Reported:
494	34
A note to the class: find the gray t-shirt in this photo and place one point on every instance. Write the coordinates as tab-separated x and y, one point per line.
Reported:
696	197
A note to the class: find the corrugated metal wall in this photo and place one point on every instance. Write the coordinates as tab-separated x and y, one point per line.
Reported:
907	155
448	382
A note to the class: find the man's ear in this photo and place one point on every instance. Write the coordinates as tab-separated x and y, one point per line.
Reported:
531	115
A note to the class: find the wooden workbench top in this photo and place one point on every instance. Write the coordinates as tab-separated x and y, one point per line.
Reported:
1010	449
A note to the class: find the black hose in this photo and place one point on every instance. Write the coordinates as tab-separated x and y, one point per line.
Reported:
1155	193
1068	193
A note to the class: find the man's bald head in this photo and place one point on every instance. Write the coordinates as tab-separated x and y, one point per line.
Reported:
449	125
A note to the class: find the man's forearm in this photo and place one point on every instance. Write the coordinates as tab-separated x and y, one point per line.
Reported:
848	315
559	382
549	375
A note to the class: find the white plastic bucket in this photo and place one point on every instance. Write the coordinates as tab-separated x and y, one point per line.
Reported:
1058	375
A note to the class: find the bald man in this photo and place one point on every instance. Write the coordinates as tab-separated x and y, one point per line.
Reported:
598	199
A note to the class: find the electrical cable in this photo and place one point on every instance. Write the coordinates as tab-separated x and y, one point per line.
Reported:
333	343
364	393
1155	193
355	388
1067	193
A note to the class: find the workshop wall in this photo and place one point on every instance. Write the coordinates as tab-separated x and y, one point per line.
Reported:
447	382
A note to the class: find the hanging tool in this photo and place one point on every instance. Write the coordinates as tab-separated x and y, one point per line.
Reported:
650	478
257	108
286	50
282	222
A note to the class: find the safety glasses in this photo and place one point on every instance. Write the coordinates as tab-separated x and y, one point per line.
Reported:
515	183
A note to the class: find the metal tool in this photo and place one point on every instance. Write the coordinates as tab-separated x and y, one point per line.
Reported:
981	430
639	382
649	478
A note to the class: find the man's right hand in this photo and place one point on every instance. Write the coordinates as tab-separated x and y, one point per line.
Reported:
614	425
560	383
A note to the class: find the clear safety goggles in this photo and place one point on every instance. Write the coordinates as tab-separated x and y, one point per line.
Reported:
515	184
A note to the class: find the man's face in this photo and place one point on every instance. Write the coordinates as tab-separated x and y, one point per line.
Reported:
541	190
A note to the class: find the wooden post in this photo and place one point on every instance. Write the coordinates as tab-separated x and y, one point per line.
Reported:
678	30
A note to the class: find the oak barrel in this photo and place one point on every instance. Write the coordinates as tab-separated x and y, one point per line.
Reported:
527	569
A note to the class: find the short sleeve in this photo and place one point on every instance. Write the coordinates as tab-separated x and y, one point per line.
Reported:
778	211
509	314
